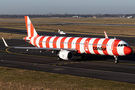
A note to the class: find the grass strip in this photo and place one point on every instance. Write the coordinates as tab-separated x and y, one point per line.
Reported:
21	79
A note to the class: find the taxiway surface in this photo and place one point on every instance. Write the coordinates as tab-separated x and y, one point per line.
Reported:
93	66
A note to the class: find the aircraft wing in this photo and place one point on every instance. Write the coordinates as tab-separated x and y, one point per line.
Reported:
37	48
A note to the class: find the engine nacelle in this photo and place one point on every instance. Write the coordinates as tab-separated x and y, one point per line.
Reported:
65	55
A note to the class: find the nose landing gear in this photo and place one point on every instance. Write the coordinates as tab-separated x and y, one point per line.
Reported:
116	59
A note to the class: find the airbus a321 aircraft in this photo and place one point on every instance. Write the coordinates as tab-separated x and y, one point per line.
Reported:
66	46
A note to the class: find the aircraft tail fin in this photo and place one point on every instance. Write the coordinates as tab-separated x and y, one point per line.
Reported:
31	32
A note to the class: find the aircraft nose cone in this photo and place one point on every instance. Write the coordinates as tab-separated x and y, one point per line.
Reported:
127	50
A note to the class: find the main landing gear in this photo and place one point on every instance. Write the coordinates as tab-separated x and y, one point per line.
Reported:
116	59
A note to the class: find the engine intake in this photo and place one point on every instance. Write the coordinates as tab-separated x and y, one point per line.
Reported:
65	55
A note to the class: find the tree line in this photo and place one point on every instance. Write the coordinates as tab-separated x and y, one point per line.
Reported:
69	15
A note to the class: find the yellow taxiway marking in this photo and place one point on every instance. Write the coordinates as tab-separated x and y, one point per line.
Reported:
71	62
76	62
60	64
25	54
65	63
2	50
7	50
103	61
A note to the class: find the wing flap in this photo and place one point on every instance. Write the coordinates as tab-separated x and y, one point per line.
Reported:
37	48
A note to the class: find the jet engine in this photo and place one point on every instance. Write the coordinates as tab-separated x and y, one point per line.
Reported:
65	55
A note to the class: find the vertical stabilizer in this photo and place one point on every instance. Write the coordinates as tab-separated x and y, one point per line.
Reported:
31	32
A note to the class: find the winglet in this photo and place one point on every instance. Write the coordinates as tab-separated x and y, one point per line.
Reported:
5	42
105	35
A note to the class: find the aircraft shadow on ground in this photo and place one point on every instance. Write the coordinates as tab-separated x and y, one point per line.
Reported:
89	57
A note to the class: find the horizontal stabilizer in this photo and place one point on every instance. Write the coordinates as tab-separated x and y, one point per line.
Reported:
5	42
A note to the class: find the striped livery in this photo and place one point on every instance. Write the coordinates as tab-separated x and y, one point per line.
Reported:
99	46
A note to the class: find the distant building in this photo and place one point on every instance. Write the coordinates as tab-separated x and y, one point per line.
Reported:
94	17
75	16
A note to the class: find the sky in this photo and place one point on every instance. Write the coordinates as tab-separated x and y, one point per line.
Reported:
67	6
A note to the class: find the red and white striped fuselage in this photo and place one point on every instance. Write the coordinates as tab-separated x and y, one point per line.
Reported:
99	46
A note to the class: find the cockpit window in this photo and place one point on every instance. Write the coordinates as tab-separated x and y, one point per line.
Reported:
120	45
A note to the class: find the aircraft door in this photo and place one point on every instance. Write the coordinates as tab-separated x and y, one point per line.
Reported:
86	45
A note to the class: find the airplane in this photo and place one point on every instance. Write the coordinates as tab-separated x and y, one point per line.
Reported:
66	47
61	32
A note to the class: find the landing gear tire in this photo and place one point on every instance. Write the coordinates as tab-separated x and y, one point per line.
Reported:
116	61
59	59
